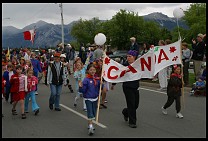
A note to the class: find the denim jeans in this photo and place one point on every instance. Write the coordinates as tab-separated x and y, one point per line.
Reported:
91	108
55	95
34	103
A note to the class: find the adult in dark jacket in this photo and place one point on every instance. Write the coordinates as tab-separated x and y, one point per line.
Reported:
198	54
56	78
131	92
134	44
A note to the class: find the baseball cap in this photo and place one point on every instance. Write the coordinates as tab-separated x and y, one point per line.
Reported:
57	55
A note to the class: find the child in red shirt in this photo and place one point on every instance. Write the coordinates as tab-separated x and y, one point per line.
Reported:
18	88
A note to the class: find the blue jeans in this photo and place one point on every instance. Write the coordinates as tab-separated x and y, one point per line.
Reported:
34	103
91	108
55	95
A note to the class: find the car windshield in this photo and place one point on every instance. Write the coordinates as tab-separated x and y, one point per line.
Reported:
119	52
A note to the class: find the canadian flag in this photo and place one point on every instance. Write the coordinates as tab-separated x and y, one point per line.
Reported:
29	35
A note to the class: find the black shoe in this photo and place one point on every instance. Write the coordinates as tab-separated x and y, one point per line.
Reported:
14	112
103	106
23	116
51	106
57	109
125	118
37	111
133	125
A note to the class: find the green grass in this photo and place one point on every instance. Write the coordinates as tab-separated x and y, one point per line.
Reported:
191	78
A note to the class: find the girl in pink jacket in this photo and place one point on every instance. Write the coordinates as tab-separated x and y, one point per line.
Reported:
31	86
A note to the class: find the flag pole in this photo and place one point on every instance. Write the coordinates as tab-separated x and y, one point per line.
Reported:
182	89
101	80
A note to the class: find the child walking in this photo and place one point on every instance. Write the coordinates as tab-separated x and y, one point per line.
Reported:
31	81
18	89
174	91
90	88
66	71
79	76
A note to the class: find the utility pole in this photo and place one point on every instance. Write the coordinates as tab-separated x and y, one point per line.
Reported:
62	24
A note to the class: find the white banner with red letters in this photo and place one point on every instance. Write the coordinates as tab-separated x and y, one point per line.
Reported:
145	66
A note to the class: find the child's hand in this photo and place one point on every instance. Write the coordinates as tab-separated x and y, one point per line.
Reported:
80	84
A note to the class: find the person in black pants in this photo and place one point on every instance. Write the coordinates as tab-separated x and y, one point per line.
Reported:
131	92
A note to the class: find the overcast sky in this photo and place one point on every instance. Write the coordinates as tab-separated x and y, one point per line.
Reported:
20	15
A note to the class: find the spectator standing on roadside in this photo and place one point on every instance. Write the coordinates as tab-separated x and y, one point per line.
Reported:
186	53
134	44
98	53
198	54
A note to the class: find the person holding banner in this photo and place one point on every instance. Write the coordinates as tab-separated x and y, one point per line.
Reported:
131	92
162	75
174	91
90	88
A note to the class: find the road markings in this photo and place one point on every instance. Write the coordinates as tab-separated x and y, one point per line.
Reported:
83	116
153	90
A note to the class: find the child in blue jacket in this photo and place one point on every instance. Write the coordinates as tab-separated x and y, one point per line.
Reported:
90	87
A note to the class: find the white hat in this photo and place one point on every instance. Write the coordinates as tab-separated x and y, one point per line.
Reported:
133	38
69	45
63	55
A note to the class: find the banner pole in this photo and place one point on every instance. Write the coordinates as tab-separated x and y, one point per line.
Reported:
101	79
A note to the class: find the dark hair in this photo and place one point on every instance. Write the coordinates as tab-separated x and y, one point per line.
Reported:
168	41
173	68
19	67
89	66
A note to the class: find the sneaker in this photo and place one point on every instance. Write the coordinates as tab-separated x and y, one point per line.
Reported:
133	125
103	106
164	111
106	101
51	106
75	105
57	109
90	131
192	91
36	112
179	115
24	116
36	93
85	110
191	94
155	79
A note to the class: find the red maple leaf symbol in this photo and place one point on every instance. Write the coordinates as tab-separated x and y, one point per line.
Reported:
172	49
107	60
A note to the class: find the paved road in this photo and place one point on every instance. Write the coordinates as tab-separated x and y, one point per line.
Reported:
72	122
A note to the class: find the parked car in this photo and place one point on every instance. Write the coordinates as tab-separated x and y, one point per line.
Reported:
120	54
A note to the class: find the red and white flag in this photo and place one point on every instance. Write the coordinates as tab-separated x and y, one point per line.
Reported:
29	35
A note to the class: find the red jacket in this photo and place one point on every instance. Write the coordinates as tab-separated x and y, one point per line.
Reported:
14	81
3	84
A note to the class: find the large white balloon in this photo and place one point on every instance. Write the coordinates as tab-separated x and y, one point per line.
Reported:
100	39
178	13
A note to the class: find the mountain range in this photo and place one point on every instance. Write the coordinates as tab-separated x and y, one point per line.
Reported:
49	35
